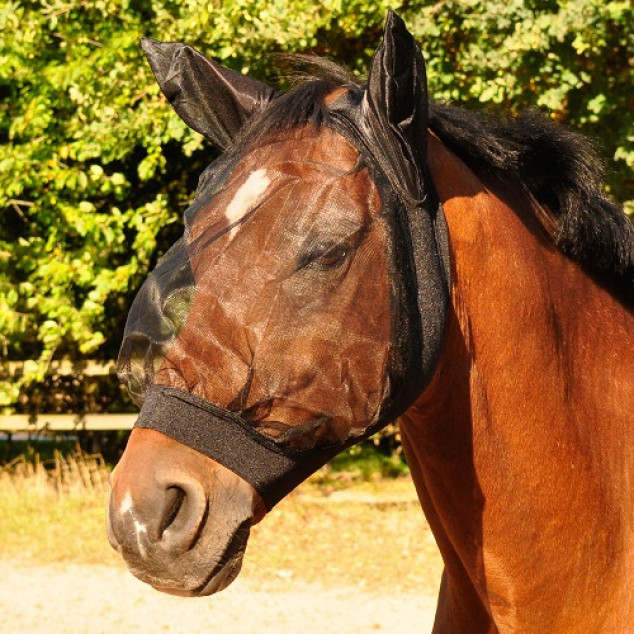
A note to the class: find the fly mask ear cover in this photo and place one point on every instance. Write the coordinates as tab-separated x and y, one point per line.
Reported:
387	124
187	78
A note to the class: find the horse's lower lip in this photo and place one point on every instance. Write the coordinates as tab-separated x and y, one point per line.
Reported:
217	579
216	582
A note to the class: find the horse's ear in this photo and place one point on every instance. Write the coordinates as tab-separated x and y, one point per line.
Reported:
212	100
396	100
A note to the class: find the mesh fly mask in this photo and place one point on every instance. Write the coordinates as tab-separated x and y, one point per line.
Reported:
304	307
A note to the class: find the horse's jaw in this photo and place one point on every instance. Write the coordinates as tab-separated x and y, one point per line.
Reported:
180	521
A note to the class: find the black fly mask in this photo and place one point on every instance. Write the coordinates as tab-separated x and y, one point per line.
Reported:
304	307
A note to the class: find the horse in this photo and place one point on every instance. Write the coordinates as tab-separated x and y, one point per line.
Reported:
358	254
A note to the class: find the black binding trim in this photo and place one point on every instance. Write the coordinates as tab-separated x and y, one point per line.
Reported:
272	470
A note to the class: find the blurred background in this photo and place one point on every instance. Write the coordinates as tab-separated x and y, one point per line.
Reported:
96	170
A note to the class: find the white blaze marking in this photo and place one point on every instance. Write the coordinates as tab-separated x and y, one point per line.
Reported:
246	198
141	530
139	527
126	505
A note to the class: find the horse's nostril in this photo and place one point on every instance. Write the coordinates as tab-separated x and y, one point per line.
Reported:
183	515
174	498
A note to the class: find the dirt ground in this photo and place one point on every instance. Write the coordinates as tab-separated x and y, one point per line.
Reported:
78	599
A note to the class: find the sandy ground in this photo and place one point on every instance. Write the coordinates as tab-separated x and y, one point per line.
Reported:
82	599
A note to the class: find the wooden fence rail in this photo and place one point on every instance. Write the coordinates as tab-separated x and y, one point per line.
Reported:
65	422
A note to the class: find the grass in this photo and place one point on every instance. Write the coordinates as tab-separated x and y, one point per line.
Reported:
54	510
348	525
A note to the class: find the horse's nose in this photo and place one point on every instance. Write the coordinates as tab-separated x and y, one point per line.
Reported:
155	515
179	519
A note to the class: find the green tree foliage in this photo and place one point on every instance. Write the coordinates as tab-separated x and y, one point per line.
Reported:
95	169
572	59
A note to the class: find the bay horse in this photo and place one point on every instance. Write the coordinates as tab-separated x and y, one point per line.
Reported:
359	254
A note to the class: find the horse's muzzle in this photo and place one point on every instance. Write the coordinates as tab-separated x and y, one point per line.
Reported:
180	520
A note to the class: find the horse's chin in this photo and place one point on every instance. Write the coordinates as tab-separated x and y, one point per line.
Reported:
218	582
193	574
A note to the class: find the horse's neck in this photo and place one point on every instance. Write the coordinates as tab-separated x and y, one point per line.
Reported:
520	442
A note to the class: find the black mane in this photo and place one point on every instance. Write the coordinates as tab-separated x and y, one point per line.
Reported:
557	169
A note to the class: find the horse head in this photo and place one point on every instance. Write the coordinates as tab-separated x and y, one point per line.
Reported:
302	310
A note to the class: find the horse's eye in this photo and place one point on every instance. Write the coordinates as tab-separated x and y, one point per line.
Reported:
326	256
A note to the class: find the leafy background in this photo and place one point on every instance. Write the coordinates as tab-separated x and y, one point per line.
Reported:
95	169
